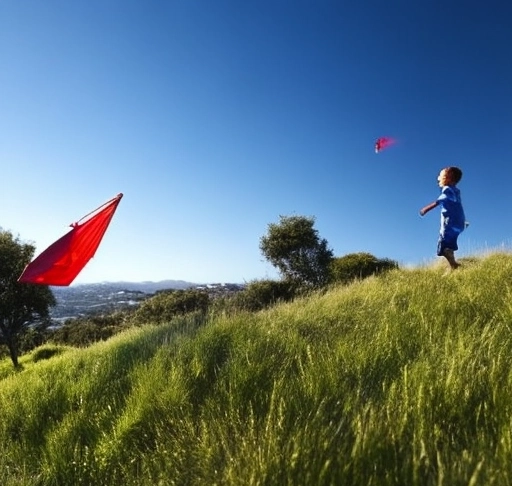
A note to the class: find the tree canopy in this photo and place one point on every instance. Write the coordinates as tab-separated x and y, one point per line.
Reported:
295	248
21	305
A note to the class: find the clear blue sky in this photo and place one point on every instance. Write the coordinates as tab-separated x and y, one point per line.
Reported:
216	117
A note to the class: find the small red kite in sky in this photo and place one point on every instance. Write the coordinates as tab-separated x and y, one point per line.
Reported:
383	143
63	260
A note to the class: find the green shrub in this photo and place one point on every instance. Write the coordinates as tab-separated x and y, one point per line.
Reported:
354	266
46	352
33	337
166	305
84	331
261	294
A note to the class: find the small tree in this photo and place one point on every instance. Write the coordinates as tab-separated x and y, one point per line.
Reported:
295	248
354	266
20	304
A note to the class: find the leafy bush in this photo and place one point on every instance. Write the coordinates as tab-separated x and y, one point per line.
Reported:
84	331
166	305
46	352
34	336
261	294
361	265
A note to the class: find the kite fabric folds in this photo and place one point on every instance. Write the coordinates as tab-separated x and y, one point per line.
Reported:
63	260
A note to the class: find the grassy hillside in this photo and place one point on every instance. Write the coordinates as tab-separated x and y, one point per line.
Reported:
404	379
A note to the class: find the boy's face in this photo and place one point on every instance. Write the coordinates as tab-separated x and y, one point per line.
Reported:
443	179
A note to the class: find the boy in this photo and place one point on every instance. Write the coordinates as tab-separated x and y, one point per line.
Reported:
453	220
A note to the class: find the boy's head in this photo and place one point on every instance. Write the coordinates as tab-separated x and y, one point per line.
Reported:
449	176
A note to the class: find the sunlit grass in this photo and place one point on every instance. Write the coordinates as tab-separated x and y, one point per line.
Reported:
402	379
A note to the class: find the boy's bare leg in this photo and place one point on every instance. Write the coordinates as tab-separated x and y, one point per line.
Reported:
448	254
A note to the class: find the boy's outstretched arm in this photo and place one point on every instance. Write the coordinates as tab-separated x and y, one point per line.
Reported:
427	208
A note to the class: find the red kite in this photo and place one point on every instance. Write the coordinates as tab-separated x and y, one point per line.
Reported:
382	143
63	260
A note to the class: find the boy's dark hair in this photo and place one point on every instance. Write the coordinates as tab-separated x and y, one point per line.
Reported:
455	174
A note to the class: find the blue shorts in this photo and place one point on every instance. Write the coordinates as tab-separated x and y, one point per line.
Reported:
447	239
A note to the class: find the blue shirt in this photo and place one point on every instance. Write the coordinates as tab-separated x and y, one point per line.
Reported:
452	213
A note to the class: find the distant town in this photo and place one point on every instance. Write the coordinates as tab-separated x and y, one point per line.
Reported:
104	298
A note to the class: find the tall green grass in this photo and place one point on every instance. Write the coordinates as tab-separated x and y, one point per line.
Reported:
403	379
